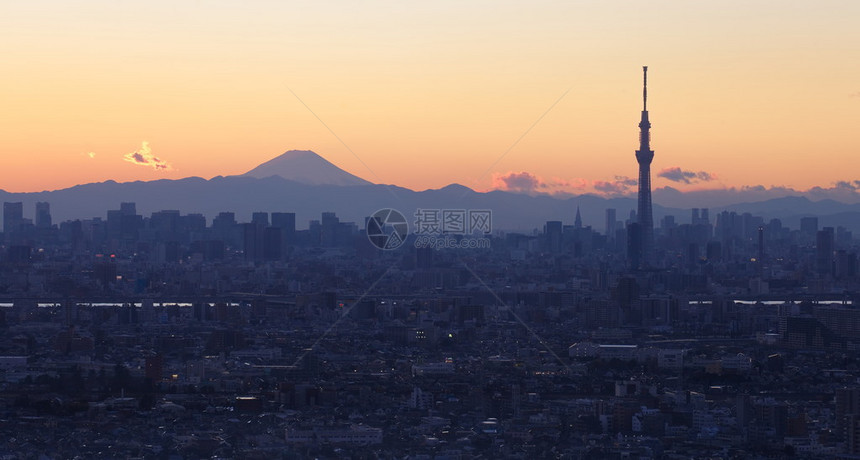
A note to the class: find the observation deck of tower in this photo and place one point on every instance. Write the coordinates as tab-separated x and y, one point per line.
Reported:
644	156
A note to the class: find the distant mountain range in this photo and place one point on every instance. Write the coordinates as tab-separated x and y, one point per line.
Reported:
307	184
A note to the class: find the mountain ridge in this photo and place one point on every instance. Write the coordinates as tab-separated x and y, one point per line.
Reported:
245	193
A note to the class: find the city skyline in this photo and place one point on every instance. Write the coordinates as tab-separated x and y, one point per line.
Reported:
512	97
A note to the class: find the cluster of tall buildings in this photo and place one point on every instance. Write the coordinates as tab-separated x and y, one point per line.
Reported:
13	216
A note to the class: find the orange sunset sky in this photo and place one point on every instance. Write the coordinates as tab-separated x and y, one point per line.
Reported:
429	93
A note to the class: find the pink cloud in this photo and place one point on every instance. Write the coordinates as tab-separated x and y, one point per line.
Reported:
621	185
144	157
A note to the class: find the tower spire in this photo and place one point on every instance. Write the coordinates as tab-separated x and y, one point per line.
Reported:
645	88
644	156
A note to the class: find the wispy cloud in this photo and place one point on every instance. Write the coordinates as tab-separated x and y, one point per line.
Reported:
676	174
144	157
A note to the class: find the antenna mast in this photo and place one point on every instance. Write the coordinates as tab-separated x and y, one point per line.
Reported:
645	87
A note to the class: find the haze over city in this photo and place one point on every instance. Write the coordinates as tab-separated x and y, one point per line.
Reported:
538	98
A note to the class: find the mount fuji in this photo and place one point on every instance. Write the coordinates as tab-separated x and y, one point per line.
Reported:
305	167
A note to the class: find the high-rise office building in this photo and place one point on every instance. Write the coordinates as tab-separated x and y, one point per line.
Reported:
128	209
824	249
43	214
808	226
252	239
273	243
286	221
260	218
13	215
328	229
610	223
553	235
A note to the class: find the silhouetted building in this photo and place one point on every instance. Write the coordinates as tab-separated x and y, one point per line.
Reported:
128	209
273	243
225	227
314	232
634	245
328	229
164	223
260	218
192	223
114	223
610	224
668	222
286	221
644	156
553	233
824	248
43	214
252	238
844	237
714	251
845	265
224	220
852	427
809	226
13	216
847	402
803	332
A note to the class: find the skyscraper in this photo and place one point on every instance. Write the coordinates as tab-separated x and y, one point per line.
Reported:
13	214
610	224
43	214
824	249
286	221
260	218
128	209
644	156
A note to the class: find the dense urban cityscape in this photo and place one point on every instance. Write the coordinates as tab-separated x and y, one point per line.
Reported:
168	336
